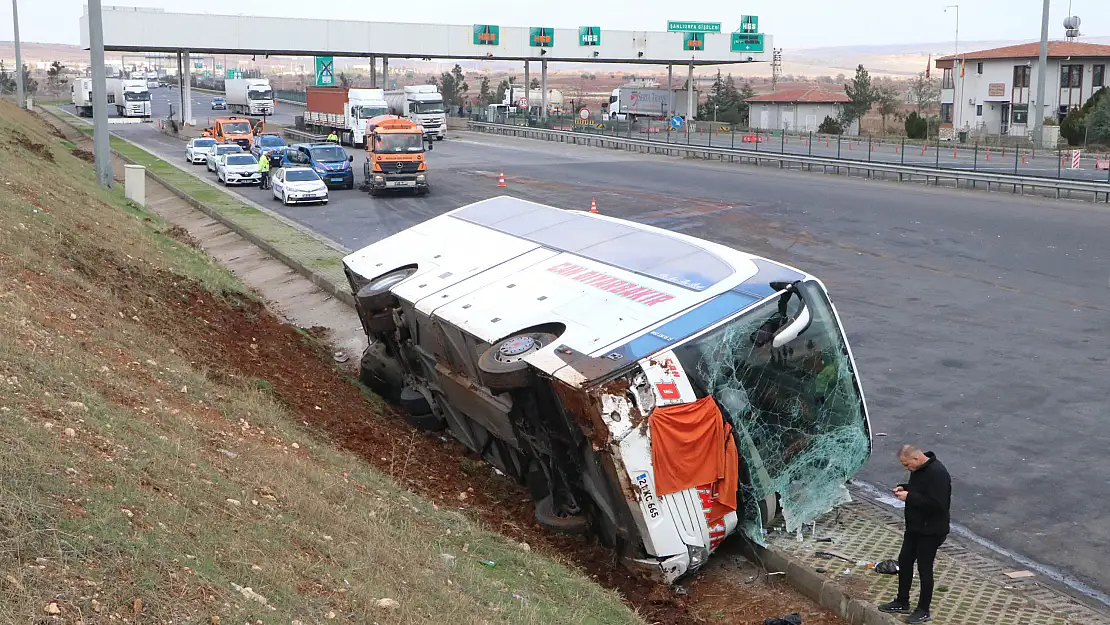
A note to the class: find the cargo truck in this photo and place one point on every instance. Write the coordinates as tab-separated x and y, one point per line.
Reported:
344	110
82	96
249	96
421	104
517	98
131	97
395	156
634	102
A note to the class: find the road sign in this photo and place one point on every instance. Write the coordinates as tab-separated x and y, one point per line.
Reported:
693	41
232	73
207	74
693	27
218	66
487	35
749	23
325	71
744	42
589	36
677	121
523	103
584	113
198	65
541	37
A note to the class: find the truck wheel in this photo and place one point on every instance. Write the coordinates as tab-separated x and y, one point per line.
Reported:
418	413
502	366
549	520
376	297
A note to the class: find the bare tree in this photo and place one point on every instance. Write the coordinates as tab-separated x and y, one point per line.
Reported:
925	92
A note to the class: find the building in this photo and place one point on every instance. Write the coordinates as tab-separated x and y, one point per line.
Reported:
992	91
800	110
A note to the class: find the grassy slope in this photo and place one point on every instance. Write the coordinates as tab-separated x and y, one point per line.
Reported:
134	485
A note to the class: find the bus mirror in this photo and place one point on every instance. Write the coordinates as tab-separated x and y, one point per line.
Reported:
794	328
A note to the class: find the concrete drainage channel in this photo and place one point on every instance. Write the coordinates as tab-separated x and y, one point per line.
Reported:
317	295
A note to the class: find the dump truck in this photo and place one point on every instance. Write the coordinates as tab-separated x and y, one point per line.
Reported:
249	96
395	156
421	104
131	97
344	110
82	96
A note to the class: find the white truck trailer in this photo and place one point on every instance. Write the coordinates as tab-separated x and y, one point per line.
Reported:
421	104
634	102
516	97
82	96
131	97
249	96
344	110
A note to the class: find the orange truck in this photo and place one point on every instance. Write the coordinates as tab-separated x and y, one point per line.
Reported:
395	155
238	130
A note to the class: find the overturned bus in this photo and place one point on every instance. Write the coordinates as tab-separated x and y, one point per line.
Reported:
655	390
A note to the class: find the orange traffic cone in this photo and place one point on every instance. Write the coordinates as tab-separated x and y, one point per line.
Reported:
593	205
501	179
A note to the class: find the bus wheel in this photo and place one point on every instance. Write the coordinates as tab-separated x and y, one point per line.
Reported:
502	366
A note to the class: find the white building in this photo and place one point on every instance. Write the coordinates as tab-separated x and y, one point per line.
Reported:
993	91
800	110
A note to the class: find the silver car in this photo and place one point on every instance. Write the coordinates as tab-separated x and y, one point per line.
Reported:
217	151
196	151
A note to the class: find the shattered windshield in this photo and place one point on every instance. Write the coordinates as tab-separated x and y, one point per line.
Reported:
796	408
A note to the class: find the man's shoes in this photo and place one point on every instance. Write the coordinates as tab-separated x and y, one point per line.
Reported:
919	616
895	607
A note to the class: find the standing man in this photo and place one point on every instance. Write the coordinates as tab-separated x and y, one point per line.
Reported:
928	497
264	168
332	137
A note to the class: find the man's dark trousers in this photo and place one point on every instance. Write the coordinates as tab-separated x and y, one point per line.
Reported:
920	548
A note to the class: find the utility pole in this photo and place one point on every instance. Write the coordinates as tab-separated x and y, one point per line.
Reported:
101	150
18	58
957	105
1042	69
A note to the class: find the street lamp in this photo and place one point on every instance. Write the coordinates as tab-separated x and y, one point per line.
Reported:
956	59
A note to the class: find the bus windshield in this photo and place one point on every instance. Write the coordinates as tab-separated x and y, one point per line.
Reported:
797	408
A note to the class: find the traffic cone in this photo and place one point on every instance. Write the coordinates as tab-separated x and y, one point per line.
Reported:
988	155
501	179
593	205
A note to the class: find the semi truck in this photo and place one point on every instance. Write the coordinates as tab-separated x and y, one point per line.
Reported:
131	97
517	97
635	102
82	96
344	110
421	104
249	96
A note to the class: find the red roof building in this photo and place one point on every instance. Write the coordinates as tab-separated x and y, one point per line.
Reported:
799	109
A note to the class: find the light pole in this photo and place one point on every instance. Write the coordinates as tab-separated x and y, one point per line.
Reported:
18	57
101	148
1037	109
956	104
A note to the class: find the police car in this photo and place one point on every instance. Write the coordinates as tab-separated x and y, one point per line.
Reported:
655	390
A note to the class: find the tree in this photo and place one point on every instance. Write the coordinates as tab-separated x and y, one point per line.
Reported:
889	101
862	95
56	74
1098	122
744	108
917	127
830	127
452	85
1074	128
925	92
485	96
502	89
535	84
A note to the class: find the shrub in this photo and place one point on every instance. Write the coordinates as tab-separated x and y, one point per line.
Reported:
830	127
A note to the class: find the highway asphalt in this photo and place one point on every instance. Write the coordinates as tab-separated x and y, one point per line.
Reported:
979	320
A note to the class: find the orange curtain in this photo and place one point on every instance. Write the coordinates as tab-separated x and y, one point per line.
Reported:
691	445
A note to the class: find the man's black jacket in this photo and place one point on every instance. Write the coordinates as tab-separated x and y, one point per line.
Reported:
929	499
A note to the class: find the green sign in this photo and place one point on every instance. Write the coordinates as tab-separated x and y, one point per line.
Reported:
693	27
207	74
218	66
589	36
745	42
693	41
325	71
198	65
232	74
541	37
487	35
749	23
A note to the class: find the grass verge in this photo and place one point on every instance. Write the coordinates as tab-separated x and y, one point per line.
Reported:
140	482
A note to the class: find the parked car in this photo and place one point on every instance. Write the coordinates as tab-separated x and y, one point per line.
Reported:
238	169
218	150
197	150
296	185
219	104
329	160
266	143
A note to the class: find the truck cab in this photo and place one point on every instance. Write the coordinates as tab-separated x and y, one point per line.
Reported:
395	155
238	130
421	104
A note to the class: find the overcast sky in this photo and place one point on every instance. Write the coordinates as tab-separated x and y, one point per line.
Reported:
794	23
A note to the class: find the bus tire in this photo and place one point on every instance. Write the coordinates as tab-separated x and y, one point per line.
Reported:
501	366
549	520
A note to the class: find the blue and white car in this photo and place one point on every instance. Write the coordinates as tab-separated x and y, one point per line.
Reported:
264	144
298	185
219	104
197	150
329	160
568	348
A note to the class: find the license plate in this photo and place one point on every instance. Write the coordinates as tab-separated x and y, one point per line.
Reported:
401	183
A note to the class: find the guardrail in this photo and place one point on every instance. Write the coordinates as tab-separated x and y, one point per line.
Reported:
873	169
300	135
215	92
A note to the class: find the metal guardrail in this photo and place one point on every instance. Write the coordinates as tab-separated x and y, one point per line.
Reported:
905	173
300	135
